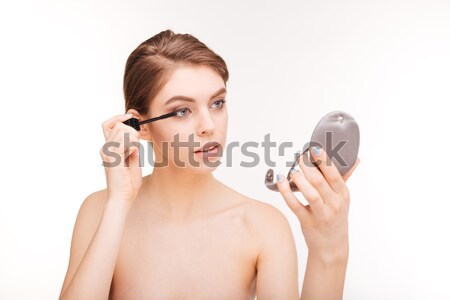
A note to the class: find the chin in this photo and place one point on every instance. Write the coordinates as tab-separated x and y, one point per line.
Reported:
203	167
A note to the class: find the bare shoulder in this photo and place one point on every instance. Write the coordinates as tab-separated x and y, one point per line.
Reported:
86	223
265	218
261	217
276	254
273	236
88	219
263	211
93	204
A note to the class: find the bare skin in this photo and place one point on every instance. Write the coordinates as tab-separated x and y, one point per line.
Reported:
210	256
181	234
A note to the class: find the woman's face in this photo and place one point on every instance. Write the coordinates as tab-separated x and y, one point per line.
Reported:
202	120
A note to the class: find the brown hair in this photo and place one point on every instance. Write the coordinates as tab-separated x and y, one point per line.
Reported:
149	66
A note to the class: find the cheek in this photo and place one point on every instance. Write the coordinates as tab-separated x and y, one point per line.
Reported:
166	132
179	136
225	115
223	123
164	136
226	119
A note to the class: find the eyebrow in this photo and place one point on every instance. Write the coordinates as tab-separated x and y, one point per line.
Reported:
185	98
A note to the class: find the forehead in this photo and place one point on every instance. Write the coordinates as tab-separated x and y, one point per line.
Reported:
198	82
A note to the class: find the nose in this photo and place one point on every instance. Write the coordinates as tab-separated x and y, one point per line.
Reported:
205	123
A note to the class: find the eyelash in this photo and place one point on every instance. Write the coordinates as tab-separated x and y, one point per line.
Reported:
223	101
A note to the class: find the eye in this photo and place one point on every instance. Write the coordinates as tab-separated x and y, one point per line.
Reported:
221	102
181	112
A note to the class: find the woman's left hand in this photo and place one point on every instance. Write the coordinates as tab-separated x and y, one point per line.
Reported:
324	220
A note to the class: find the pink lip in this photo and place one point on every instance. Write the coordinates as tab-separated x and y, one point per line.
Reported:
209	153
207	145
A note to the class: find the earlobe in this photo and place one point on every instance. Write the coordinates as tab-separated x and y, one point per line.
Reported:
144	129
145	134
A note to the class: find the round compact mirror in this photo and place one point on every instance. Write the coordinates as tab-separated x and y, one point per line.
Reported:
338	134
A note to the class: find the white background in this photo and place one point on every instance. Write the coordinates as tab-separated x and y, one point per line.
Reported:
387	63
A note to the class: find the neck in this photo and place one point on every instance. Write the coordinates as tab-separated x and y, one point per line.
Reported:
179	194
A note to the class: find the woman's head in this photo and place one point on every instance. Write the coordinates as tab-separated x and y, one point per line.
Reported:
168	65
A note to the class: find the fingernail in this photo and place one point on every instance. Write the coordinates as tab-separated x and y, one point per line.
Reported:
128	115
316	151
292	170
279	177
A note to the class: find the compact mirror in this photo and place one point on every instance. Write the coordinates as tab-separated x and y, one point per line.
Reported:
338	134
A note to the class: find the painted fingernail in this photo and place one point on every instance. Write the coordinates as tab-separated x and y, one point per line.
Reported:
316	151
279	177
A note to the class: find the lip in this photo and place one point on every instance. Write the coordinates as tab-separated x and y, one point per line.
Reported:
207	146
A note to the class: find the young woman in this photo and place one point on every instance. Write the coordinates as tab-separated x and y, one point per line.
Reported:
179	233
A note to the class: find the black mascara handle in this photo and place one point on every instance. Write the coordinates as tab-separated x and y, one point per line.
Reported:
133	122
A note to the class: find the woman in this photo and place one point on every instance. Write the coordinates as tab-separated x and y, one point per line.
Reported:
179	232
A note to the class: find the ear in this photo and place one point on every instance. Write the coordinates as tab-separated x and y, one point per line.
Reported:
144	133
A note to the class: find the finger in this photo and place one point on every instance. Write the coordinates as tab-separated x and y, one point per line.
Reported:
112	155
350	172
117	145
124	139
294	204
134	158
109	124
119	126
310	193
124	135
316	179
329	170
128	157
131	157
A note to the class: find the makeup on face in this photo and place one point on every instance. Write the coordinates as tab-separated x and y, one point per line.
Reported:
135	123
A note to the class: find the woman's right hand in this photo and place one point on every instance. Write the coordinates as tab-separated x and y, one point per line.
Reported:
123	173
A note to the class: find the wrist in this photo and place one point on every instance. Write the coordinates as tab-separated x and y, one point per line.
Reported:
117	206
324	275
336	255
327	259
